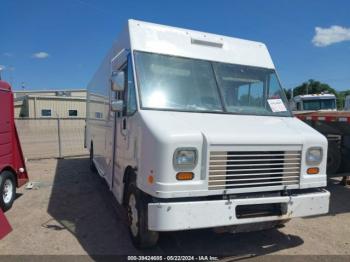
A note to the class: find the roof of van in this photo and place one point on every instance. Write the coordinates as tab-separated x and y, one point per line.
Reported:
5	85
155	38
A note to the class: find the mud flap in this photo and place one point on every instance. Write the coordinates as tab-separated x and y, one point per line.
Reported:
5	226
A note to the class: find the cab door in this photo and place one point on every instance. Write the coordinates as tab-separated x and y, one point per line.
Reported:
118	63
126	129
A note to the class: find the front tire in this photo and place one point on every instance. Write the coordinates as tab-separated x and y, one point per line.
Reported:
7	190
137	207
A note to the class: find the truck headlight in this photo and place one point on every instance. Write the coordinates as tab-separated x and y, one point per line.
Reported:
185	158
314	156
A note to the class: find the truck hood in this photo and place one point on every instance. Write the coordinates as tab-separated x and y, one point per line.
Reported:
221	129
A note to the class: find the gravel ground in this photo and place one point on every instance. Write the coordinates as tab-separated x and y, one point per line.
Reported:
71	211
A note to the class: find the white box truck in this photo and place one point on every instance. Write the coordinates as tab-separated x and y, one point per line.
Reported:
192	130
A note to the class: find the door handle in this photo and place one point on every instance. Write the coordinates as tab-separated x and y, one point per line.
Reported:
123	130
124	123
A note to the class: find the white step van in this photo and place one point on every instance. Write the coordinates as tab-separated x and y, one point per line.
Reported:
192	130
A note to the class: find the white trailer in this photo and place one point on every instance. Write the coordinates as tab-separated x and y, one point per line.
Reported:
192	130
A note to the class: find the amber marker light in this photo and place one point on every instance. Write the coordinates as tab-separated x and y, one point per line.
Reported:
184	176
313	170
150	179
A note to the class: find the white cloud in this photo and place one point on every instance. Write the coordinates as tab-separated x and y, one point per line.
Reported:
328	36
2	67
41	55
8	54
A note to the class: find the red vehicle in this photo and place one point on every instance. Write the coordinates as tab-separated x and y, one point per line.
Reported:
13	171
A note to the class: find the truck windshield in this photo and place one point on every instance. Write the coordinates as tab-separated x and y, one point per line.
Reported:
191	85
321	104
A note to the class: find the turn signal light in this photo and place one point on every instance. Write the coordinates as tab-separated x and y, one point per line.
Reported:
313	170
150	179
184	176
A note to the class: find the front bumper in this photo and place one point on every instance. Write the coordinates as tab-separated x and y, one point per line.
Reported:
174	216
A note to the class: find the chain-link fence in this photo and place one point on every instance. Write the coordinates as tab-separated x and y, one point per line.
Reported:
51	137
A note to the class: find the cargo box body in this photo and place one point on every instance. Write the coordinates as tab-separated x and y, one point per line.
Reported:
11	156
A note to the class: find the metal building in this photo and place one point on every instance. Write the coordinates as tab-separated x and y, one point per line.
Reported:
50	104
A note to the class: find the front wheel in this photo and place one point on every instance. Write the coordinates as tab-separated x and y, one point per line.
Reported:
137	207
7	190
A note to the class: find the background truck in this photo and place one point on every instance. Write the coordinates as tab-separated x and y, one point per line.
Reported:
13	171
314	102
320	112
335	125
192	130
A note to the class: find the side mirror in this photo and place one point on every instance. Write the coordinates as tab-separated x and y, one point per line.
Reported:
118	81
117	106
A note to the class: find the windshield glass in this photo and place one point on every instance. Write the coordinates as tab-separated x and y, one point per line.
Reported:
184	84
321	104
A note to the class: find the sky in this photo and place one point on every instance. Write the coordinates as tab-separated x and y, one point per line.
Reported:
48	44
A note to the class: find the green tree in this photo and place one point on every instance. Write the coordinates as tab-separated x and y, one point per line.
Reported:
313	87
341	97
288	93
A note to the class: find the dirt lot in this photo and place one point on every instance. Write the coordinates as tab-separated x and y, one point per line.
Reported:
72	212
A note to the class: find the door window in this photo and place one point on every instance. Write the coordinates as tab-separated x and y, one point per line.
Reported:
130	95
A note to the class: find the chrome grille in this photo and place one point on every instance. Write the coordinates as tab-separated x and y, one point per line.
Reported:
243	169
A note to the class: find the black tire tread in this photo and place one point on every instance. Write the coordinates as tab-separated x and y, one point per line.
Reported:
3	176
145	237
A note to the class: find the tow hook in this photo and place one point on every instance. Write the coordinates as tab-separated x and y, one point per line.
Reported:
285	192
227	197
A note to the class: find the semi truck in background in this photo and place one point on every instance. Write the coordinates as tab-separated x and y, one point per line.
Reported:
320	112
192	130
335	126
314	102
13	172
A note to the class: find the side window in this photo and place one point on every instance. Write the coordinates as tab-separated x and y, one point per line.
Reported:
46	112
298	106
251	94
243	95
72	112
131	106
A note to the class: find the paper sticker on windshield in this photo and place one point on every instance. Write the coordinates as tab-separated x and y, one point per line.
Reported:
277	105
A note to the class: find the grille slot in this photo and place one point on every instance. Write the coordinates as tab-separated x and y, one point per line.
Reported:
229	170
